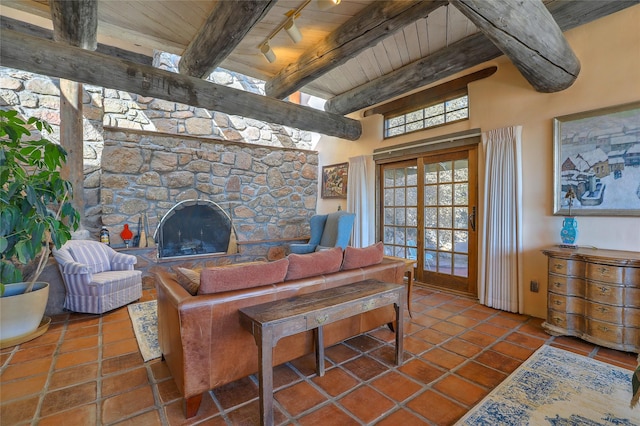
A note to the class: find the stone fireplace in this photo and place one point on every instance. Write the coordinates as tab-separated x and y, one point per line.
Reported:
195	228
206	197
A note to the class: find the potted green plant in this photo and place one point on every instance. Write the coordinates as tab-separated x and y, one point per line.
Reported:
35	210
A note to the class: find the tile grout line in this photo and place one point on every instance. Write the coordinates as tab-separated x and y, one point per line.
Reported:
45	388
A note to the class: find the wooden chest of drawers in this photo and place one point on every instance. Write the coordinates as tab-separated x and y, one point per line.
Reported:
595	295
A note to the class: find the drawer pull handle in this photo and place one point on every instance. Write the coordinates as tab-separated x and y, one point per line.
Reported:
602	309
603	270
558	266
557	284
322	319
367	306
558	320
557	302
603	328
604	290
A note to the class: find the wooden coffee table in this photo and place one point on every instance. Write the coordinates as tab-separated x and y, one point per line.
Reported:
269	322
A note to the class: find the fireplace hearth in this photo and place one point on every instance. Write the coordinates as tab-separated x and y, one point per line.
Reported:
195	227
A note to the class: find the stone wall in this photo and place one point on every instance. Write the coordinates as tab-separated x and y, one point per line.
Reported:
270	193
39	96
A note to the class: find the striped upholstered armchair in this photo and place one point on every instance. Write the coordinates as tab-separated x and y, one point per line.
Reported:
97	278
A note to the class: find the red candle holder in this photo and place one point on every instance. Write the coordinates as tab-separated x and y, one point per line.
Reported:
126	235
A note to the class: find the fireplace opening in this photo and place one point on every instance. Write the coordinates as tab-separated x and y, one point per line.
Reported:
194	227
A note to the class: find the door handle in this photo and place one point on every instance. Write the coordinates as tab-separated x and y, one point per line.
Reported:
472	219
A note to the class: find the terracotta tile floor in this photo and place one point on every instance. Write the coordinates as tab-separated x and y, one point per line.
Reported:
86	370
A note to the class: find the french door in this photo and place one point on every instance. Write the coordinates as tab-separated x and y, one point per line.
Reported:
428	213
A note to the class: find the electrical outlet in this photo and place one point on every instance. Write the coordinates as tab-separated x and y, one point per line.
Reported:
534	286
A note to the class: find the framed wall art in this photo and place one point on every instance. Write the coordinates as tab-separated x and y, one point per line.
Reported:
334	180
597	162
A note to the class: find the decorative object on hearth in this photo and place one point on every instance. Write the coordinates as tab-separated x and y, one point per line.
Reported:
150	240
136	238
558	387
569	232
597	156
104	236
126	235
143	234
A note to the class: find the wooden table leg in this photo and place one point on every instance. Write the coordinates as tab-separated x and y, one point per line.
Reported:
409	287
265	376
319	332
399	331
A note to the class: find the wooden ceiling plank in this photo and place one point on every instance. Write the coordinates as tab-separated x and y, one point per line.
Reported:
528	35
7	23
226	26
380	53
423	37
391	49
437	29
368	68
362	31
466	53
401	42
75	22
413	42
58	60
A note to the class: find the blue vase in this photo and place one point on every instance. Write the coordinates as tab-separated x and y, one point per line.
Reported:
569	232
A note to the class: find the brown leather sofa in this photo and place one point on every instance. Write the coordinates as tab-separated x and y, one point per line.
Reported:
204	345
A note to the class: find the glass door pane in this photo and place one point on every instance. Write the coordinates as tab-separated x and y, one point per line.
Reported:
447	203
400	210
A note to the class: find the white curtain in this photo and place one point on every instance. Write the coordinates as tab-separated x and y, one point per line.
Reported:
361	199
501	234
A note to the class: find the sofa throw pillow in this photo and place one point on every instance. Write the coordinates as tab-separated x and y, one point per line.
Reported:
91	255
189	279
242	275
360	257
311	264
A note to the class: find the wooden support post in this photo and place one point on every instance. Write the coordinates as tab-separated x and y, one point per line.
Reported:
72	139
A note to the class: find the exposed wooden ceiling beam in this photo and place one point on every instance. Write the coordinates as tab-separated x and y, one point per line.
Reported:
364	30
7	23
531	39
461	55
75	22
432	94
36	55
223	30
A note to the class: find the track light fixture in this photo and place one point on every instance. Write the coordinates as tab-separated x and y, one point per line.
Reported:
265	49
327	4
289	25
293	31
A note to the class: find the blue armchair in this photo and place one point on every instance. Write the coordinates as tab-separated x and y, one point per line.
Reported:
327	230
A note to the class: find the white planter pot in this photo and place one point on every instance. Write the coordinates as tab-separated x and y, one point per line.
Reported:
21	313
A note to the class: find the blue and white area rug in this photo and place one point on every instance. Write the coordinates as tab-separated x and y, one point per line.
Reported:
559	388
144	317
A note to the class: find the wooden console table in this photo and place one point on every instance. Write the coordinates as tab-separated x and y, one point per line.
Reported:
594	295
269	322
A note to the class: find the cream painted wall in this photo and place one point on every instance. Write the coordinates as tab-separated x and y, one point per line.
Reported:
609	53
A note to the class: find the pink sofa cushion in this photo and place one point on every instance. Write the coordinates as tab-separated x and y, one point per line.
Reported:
312	264
360	257
242	275
189	279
